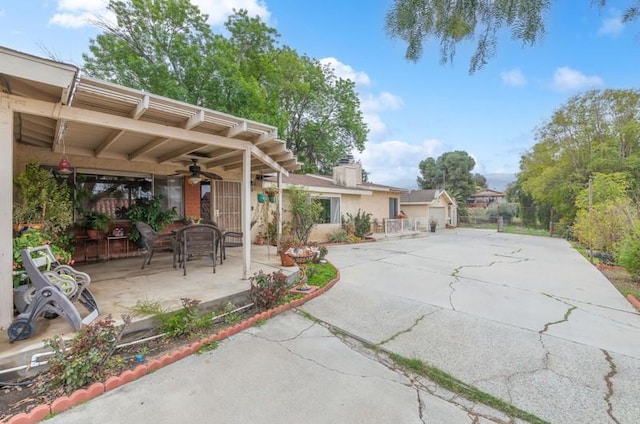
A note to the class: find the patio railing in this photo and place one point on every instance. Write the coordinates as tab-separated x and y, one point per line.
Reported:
407	225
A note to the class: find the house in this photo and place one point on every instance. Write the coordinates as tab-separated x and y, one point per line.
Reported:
343	192
111	139
485	197
434	204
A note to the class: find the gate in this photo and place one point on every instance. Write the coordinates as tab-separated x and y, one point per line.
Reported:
227	208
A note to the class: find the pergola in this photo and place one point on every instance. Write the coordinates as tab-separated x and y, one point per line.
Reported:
47	108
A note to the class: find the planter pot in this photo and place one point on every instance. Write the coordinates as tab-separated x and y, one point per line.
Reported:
286	260
272	199
262	197
92	234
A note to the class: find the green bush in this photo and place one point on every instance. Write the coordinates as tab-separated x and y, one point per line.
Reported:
628	253
339	236
186	321
267	289
359	225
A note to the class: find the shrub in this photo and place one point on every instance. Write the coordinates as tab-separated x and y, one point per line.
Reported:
185	321
359	225
268	289
628	253
34	238
339	236
85	358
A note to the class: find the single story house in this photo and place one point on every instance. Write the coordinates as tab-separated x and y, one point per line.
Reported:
343	192
118	139
433	204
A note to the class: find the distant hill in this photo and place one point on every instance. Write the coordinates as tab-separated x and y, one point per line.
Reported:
499	181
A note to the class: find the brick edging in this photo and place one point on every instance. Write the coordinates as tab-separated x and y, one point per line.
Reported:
635	302
40	412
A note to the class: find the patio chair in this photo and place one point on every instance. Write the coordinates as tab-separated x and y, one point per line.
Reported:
196	241
229	239
153	241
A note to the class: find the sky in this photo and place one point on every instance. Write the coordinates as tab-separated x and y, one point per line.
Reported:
413	110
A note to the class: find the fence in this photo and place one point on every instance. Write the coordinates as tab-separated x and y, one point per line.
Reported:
394	227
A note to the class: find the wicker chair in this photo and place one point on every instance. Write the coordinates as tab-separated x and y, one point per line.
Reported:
153	241
229	239
196	241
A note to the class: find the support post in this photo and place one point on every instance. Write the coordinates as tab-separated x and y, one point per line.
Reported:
246	213
6	215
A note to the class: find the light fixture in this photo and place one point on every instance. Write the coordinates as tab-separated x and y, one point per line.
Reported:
194	179
64	167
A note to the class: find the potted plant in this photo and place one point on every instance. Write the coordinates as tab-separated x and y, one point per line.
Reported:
286	242
41	199
433	223
150	212
271	192
95	223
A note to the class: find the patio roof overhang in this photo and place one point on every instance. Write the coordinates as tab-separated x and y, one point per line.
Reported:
49	105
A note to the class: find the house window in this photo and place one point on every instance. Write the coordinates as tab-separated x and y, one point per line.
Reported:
171	190
113	193
330	210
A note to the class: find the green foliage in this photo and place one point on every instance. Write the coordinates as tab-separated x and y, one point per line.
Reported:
339	236
96	221
34	238
85	358
611	216
597	132
628	252
452	172
150	211
185	321
320	274
506	210
358	225
267	289
304	213
452	22
166	47
41	198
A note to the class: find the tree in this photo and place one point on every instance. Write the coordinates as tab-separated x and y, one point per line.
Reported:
596	132
452	172
480	181
454	21
166	47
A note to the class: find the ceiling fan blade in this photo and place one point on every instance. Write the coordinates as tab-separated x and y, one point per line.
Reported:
211	175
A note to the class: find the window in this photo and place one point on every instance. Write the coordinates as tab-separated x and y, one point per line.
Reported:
171	190
113	194
330	210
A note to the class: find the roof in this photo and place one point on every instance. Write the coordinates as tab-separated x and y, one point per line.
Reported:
425	196
59	109
488	193
322	181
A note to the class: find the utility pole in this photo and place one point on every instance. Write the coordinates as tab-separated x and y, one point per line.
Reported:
591	219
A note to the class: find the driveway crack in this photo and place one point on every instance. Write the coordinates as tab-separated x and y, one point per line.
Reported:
609	382
415	323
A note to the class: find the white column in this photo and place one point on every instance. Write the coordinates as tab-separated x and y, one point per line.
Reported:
6	215
280	209
246	213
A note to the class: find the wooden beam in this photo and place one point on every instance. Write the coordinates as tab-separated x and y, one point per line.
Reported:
266	159
105	120
179	152
194	121
237	129
156	142
141	108
112	138
266	137
224	159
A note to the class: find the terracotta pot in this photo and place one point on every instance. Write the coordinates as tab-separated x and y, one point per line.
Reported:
92	234
286	260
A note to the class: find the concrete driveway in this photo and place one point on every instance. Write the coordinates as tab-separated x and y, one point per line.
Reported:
526	319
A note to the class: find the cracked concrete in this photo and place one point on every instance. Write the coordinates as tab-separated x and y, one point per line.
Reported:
540	328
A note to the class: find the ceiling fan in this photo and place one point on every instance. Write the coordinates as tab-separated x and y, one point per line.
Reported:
196	174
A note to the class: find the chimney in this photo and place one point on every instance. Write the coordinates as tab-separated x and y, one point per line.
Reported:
348	173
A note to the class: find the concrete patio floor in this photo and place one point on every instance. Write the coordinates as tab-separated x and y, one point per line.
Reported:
120	283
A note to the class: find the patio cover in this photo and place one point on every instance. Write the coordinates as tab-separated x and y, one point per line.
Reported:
43	103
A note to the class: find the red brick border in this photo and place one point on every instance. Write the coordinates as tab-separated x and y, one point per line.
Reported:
635	302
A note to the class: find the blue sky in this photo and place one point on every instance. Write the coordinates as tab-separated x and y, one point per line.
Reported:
413	110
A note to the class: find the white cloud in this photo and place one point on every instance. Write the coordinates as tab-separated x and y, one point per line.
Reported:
78	13
346	72
372	105
612	25
513	78
567	79
219	10
396	162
